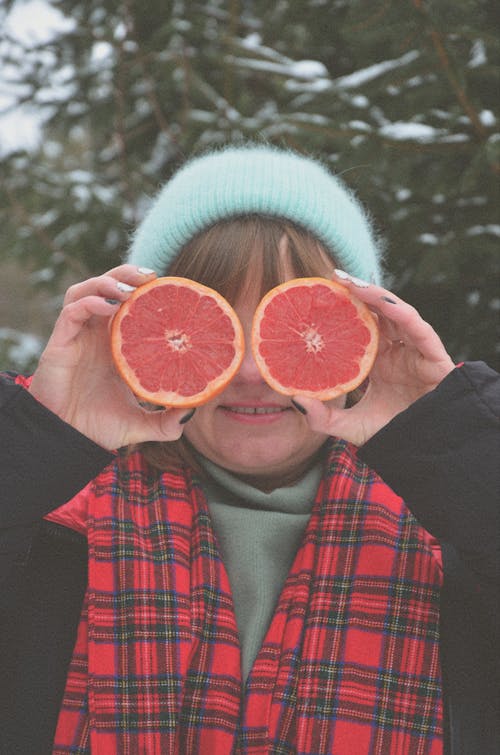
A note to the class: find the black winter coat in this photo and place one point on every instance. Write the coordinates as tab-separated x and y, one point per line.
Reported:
442	455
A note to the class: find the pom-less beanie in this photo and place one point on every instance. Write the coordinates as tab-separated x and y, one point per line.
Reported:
265	180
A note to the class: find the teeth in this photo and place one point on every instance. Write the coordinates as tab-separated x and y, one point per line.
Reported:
255	410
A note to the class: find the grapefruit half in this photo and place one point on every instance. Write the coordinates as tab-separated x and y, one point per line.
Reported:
176	342
311	337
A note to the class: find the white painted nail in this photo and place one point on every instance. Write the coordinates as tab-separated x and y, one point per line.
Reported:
343	275
124	287
359	283
145	271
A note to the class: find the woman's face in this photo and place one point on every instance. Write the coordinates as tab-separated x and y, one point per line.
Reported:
250	429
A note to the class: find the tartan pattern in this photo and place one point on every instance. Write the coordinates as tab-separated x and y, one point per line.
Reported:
350	662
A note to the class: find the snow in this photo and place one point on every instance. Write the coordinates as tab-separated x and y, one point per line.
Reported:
315	86
35	22
356	79
44	219
101	51
419	132
477	201
359	125
479	230
274	62
359	100
81	176
428	238
455	138
473	298
27	25
315	78
403	131
19	130
44	275
403	194
318	120
62	86
307	69
478	54
201	116
487	118
23	348
253	41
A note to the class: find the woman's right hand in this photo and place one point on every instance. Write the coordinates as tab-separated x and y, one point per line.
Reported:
76	378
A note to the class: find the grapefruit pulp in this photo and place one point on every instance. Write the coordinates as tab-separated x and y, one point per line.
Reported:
176	342
311	337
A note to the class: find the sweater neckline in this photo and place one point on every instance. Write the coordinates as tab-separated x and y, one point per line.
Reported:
291	499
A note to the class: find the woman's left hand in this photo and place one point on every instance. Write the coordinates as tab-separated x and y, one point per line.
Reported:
411	361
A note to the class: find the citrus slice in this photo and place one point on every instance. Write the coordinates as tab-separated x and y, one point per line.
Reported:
176	342
311	337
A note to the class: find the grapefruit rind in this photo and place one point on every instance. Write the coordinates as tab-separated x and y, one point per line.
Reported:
279	353
175	398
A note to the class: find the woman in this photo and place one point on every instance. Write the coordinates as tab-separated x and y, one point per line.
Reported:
307	577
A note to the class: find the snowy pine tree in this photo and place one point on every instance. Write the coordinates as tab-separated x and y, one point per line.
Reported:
398	97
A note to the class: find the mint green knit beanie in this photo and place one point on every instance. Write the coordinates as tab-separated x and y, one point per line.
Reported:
265	180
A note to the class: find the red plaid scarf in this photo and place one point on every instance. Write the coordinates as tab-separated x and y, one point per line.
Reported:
350	661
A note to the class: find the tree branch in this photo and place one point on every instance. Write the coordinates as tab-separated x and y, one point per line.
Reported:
24	216
438	43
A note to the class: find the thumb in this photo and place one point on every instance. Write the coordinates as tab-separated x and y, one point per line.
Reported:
332	419
162	425
320	417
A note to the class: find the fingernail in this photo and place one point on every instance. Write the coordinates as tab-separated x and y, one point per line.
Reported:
388	300
343	275
145	271
124	287
358	282
299	407
351	279
186	417
113	302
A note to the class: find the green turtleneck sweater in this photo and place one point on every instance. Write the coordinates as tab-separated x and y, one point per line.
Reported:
258	536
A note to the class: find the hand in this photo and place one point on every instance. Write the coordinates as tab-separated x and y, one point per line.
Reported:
76	378
410	362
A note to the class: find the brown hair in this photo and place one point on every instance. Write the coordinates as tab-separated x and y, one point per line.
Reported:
222	257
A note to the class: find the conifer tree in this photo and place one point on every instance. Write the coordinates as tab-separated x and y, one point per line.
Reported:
397	96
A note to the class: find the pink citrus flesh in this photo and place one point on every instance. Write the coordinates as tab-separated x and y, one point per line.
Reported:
312	337
176	342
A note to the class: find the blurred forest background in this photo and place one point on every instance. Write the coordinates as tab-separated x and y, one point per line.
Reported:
399	96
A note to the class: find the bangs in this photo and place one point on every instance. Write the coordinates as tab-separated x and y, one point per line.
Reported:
246	249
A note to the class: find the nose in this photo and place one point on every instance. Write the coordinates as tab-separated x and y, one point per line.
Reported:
249	372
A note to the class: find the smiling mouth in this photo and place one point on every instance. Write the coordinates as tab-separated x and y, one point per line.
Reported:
256	409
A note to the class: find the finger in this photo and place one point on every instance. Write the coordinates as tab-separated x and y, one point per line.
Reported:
132	274
319	415
76	315
403	321
116	283
164	425
373	295
104	286
403	325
